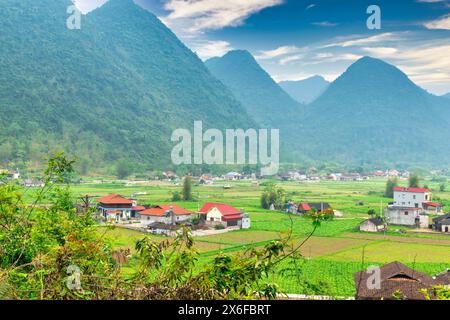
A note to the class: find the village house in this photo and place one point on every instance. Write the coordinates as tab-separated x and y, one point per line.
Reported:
397	281
33	183
433	207
410	217
373	225
205	180
115	208
233	176
169	214
223	214
411	197
411	207
304	208
170	175
442	223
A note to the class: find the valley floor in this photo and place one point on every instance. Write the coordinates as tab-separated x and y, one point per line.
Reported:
331	257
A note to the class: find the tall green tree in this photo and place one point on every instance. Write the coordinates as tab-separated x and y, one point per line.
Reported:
390	185
273	194
123	169
414	181
187	189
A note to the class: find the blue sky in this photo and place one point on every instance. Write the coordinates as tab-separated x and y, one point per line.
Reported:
295	39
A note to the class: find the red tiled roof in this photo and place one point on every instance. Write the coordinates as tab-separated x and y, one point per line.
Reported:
138	208
432	204
114	199
415	190
305	206
225	209
232	217
163	208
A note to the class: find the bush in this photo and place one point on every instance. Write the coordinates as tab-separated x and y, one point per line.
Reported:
219	227
176	196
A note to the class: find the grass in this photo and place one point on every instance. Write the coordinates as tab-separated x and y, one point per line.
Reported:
332	255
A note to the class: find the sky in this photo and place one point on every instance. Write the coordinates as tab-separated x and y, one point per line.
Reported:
297	39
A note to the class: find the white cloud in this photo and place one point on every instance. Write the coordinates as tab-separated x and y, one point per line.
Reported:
290	59
361	41
312	5
278	52
441	23
201	15
209	49
381	51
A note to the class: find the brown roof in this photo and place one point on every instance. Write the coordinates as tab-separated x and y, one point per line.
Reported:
443	278
114	199
395	278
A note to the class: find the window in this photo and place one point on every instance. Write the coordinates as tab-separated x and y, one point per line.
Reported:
406	213
414	197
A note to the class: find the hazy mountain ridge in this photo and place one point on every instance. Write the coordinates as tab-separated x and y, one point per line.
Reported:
263	98
374	114
307	90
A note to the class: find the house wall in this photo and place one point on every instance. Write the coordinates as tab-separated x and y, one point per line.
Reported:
399	217
411	199
147	220
367	226
445	227
246	223
214	215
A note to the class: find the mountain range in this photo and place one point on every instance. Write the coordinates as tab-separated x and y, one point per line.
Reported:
115	90
307	90
262	97
374	114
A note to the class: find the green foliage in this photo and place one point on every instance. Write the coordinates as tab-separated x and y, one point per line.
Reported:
414	181
187	188
367	102
54	252
390	185
123	169
176	196
138	83
273	195
442	187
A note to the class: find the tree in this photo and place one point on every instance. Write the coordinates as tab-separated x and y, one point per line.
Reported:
442	187
371	212
390	185
187	189
414	181
43	249
273	195
123	169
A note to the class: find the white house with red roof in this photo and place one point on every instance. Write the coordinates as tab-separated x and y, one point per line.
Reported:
412	207
165	213
224	214
115	207
411	197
